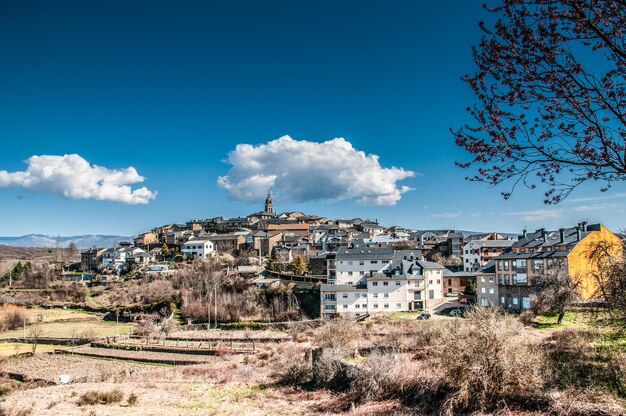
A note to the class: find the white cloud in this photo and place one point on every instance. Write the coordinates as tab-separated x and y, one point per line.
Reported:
594	207
618	195
73	177
536	215
447	215
304	171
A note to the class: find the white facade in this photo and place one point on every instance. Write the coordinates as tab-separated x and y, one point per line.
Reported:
198	248
477	253
370	280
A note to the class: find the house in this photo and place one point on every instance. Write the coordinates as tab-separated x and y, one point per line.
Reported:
477	253
139	260
371	228
145	239
90	259
226	243
457	281
287	227
536	253
198	248
487	285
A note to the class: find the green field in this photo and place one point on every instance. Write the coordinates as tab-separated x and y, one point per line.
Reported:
58	314
8	349
84	329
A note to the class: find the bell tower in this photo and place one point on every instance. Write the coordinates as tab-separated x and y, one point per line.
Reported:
269	205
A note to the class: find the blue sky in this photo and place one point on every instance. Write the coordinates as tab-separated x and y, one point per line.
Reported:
170	88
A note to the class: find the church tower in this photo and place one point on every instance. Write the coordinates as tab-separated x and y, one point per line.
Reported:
269	205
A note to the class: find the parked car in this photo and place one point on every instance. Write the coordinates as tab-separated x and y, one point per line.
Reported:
456	312
423	316
452	294
464	301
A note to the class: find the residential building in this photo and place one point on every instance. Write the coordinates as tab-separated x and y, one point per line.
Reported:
145	239
536	253
225	243
363	279
487	285
90	259
198	248
477	253
457	281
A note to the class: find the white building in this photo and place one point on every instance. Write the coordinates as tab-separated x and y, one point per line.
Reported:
198	248
368	280
477	253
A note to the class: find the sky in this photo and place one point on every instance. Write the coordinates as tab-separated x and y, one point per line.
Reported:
118	116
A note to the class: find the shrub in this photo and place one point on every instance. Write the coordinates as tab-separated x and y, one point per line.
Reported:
292	367
132	399
337	333
93	397
486	363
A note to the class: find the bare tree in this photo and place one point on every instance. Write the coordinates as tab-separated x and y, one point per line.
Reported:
609	274
551	86
34	333
555	290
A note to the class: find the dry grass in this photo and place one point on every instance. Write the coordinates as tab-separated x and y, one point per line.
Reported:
93	397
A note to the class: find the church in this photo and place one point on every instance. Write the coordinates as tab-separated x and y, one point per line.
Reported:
266	214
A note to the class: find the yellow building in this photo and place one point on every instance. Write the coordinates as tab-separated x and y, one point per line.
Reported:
579	263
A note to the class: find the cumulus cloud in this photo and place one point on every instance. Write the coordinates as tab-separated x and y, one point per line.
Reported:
304	171
73	177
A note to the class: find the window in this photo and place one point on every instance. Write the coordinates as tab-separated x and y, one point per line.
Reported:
385	283
374	283
417	296
538	264
502	300
386	306
466	260
357	306
362	273
386	295
491	279
375	306
345	306
506	266
375	295
329	307
398	306
491	291
449	282
357	295
361	263
550	262
438	281
430	281
374	262
482	280
500	265
398	283
350	263
345	296
329	296
431	294
350	273
482	290
466	251
499	280
514	301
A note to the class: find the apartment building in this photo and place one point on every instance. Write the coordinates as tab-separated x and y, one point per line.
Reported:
369	280
477	253
535	253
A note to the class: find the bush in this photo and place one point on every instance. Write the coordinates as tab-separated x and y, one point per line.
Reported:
132	399
93	397
486	363
292	367
337	333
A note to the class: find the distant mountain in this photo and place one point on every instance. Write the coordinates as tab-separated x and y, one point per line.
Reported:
81	241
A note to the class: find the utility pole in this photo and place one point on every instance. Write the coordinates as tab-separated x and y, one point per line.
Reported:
215	303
